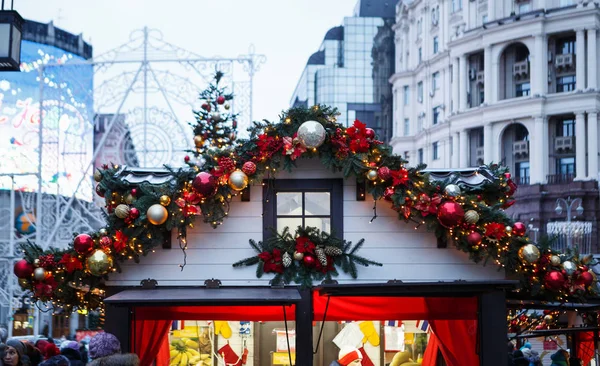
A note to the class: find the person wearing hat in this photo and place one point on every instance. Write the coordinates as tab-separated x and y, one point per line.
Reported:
348	356
105	350
14	355
58	360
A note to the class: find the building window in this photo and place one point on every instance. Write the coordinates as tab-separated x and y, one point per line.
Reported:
420	91
435	81
522	172
406	95
420	156
524	7
420	54
565	128
406	155
419	28
435	149
565	83
303	202
456	5
451	143
436	115
435	45
420	124
565	166
522	90
484	19
406	127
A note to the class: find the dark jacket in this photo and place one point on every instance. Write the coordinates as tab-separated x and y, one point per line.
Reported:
125	359
334	363
519	359
559	359
73	355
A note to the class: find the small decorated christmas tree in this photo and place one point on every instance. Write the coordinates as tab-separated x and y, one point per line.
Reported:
215	126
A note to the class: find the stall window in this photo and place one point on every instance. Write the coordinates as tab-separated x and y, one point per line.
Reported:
303	202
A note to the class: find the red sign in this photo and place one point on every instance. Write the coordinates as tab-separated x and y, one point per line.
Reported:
550	345
81	334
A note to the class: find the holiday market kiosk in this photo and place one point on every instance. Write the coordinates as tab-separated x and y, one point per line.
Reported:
342	206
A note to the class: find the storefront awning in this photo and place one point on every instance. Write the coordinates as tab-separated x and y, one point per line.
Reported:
190	296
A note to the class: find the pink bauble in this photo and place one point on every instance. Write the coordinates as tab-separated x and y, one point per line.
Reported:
554	280
23	269
450	214
586	278
105	242
83	243
519	229
134	213
387	194
474	238
205	184
369	133
309	260
384	173
249	168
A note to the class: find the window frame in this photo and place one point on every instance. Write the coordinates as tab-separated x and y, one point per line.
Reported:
436	45
334	186
421	155
435	147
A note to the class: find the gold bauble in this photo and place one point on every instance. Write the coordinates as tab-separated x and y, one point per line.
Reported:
99	263
238	180
298	256
122	211
157	214
165	200
36	262
39	274
24	283
555	260
372	174
471	217
97	175
198	141
508	229
529	253
129	199
548	319
226	106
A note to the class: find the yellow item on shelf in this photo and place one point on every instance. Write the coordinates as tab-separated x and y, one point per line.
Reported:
184	359
223	328
368	329
177	359
403	359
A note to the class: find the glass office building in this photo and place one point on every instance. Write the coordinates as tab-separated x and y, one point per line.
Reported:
340	73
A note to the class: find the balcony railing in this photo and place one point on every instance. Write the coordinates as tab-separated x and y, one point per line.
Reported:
521	148
522	181
568	235
564	144
560	178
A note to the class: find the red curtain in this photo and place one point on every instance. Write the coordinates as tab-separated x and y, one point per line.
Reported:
382	308
431	352
585	349
249	313
149	337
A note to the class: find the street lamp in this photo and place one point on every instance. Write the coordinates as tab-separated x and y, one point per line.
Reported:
568	203
11	28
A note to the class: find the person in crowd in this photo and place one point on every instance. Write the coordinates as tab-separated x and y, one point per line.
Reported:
105	350
519	359
83	350
47	348
34	354
574	361
15	354
58	360
532	356
560	358
348	356
71	351
511	349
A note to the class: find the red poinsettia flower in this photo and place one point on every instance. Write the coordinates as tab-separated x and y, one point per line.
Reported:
187	208
495	230
304	245
120	242
428	205
71	263
271	261
359	145
400	176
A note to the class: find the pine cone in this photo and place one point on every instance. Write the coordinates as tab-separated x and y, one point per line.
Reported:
333	251
226	164
286	258
321	256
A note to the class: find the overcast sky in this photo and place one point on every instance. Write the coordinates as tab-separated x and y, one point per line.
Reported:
286	31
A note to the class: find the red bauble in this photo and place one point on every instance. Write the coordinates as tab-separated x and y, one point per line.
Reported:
83	243
105	242
206	107
134	213
519	229
220	99
234	124
450	214
586	278
134	192
23	269
507	175
186	159
369	133
205	184
474	238
249	168
100	191
387	194
309	260
554	280
227	164
384	173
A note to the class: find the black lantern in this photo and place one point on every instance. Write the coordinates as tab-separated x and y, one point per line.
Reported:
11	27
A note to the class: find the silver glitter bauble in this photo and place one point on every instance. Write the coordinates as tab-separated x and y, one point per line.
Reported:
216	117
39	274
286	259
569	267
452	190
311	134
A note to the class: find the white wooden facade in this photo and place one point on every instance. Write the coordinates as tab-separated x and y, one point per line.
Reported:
406	254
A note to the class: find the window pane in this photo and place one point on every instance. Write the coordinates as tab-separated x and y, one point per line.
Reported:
317	203
289	203
321	223
292	223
